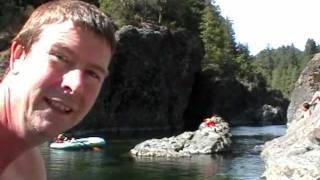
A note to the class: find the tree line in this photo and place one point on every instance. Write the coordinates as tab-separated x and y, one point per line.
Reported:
281	67
277	69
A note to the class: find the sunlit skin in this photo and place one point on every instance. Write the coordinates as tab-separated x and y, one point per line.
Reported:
59	79
56	84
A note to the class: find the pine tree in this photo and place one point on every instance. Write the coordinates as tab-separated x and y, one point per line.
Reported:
214	35
310	47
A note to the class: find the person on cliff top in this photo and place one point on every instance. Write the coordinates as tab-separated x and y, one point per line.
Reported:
306	106
58	63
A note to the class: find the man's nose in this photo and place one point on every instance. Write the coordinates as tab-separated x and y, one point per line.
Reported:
73	82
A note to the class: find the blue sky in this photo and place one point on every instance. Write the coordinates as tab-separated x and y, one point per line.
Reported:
273	23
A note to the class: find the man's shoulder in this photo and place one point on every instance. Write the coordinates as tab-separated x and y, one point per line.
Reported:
20	168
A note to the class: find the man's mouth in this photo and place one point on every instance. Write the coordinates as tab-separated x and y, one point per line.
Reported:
58	105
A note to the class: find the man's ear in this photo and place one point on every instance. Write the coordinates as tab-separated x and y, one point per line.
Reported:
17	53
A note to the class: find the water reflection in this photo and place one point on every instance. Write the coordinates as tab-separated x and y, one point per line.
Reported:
114	162
202	166
106	165
61	163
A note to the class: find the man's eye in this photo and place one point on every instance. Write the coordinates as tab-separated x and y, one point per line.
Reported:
58	57
93	74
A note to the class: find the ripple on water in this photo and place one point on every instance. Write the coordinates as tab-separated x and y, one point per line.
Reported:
275	130
244	163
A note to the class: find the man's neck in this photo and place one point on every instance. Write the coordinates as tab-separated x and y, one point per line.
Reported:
11	144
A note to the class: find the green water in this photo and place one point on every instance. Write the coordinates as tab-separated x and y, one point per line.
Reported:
114	162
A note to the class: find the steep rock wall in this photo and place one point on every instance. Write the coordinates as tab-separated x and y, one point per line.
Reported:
307	84
151	79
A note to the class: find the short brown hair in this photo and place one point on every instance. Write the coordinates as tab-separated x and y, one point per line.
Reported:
80	13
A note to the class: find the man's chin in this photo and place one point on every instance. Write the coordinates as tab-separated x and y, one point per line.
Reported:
46	133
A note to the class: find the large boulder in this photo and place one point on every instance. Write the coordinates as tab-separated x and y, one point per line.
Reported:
207	139
307	84
268	114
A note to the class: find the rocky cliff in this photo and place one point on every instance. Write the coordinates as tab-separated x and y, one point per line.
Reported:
296	155
151	79
238	102
307	84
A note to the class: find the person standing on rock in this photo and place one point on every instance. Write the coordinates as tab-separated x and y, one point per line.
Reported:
58	63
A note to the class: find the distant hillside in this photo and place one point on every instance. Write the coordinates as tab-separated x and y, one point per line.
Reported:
281	67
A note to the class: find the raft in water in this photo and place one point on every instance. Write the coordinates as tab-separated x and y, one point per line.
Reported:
81	143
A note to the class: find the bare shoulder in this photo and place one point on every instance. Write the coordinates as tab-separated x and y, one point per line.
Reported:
29	165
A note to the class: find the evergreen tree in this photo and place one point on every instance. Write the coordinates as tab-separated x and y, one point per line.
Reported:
264	64
218	40
310	50
280	67
171	13
310	47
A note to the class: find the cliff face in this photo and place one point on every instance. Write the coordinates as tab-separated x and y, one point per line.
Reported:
296	155
155	84
151	78
235	102
307	84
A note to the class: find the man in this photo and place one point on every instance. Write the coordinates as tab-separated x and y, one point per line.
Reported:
58	63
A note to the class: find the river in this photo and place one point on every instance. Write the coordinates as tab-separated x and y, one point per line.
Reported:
113	162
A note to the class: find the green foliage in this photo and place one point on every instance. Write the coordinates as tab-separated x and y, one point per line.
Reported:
223	56
281	67
311	47
171	13
218	38
201	17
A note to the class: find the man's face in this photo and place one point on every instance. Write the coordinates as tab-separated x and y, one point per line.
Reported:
59	79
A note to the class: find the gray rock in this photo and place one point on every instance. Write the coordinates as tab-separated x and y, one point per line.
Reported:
296	155
307	84
205	140
268	114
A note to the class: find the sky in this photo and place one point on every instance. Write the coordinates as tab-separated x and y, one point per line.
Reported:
273	23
